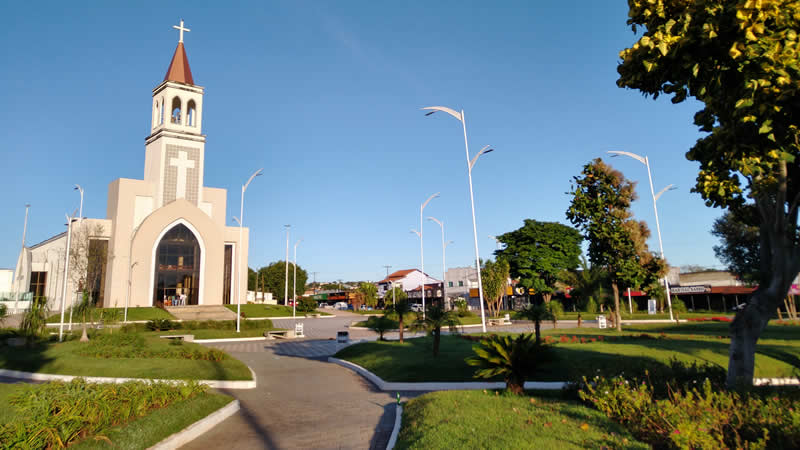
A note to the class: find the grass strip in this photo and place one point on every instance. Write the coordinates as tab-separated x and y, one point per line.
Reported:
138	313
475	419
252	310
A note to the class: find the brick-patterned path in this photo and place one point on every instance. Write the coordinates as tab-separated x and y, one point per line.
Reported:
301	402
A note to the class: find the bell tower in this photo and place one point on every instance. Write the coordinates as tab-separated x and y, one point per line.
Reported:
174	150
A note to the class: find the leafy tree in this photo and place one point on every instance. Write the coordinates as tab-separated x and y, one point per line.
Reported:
397	305
434	319
274	275
495	279
538	252
739	59
739	246
306	304
556	311
600	207
369	293
537	314
87	260
587	283
380	325
516	359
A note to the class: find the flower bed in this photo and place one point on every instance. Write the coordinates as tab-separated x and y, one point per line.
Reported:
709	319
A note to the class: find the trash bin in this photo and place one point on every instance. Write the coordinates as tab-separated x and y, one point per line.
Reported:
342	337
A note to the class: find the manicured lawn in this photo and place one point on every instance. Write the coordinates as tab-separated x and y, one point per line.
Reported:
778	354
252	310
159	424
217	334
133	314
476	419
468	320
63	358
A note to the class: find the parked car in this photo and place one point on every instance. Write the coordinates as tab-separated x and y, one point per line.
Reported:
416	307
365	308
340	305
324	306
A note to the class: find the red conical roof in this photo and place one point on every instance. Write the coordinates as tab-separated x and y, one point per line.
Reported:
179	67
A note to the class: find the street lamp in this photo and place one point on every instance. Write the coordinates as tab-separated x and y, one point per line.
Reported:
294	288
286	280
444	266
66	272
241	250
19	276
422	249
470	163
80	208
644	160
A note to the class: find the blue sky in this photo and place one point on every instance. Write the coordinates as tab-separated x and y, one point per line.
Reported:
325	96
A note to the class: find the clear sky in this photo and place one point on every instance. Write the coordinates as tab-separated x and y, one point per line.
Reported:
325	96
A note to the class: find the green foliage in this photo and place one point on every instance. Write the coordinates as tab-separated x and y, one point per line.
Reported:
678	306
515	359
3	312
556	310
380	325
495	279
56	414
34	320
395	293
368	293
273	277
306	304
399	308
537	314
129	345
434	319
538	251
461	307
699	415
739	243
162	325
591	306
589	283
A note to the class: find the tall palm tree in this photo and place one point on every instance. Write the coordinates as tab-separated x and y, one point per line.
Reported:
434	319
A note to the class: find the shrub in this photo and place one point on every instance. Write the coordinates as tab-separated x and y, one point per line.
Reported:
461	307
3	312
380	325
678	307
57	414
129	345
556	310
161	325
591	306
698	417
34	320
306	304
516	359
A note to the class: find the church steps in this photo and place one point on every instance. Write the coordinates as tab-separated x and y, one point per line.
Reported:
204	312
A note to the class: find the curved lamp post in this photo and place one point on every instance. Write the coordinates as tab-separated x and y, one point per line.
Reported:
470	163
422	250
66	273
241	250
444	266
646	162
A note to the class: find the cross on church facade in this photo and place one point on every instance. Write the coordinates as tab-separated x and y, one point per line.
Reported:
182	162
181	29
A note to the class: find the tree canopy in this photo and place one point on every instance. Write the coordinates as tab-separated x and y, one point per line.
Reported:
538	251
600	207
739	59
494	275
738	247
274	275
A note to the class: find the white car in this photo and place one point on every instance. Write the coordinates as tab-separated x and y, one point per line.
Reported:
416	307
340	305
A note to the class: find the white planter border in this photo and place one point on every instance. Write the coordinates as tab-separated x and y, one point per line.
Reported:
398	419
196	429
36	376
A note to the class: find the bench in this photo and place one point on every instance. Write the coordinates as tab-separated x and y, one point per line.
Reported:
273	334
180	337
505	320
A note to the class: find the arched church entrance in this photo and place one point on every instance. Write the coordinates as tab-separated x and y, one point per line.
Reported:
177	268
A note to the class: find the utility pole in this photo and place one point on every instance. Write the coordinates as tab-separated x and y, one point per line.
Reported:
314	274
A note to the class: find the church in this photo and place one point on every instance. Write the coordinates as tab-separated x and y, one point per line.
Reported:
164	241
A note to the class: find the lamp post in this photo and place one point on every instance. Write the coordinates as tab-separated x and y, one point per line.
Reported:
286	279
294	288
130	273
19	276
444	265
66	273
470	163
422	249
80	208
644	160
241	250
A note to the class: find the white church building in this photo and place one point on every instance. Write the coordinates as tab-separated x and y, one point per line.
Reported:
164	239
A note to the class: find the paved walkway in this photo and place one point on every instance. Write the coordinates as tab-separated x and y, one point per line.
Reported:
302	402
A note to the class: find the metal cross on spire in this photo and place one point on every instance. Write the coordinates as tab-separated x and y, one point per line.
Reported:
181	29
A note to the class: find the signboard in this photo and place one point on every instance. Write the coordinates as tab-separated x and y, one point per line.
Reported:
601	322
651	306
696	289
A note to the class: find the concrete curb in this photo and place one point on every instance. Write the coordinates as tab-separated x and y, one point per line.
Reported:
194	430
776	381
35	376
207	341
439	385
396	430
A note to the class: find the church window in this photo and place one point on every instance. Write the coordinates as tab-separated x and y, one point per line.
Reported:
226	274
191	112
176	111
177	268
38	284
161	113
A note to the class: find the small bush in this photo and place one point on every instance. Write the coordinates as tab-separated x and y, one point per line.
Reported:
57	414
380	325
129	345
678	307
591	306
306	304
515	359
162	325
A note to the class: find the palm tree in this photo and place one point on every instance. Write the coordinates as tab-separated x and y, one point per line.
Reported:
84	308
434	319
587	282
537	314
516	359
397	306
380	325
